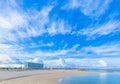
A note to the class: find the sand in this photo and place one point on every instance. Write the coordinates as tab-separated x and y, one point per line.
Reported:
39	76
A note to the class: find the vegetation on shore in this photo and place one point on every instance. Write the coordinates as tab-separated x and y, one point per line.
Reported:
23	69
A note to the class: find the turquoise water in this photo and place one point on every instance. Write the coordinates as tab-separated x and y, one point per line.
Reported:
105	78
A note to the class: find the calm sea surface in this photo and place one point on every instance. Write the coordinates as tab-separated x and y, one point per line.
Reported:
105	78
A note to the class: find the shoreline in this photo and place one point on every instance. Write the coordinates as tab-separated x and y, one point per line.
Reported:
43	76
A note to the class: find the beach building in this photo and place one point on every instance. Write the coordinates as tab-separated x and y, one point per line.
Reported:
32	65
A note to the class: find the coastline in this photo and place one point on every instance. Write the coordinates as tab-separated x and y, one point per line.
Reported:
43	76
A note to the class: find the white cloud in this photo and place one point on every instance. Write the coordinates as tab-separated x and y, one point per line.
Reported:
93	63
62	52
4	58
59	63
11	17
89	8
17	54
11	65
17	24
102	63
59	27
76	46
12	20
11	53
112	49
39	23
23	56
48	44
35	60
36	22
107	28
41	44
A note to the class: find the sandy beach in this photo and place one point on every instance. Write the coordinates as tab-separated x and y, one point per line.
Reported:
38	76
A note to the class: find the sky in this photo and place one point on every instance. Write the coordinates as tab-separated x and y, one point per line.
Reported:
60	33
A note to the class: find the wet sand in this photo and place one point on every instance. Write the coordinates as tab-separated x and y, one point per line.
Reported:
38	76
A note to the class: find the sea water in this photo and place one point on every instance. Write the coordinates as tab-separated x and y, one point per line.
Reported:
103	78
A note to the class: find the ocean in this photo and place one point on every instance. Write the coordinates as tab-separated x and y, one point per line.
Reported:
103	78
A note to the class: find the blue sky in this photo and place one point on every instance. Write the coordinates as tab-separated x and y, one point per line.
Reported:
61	33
